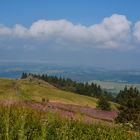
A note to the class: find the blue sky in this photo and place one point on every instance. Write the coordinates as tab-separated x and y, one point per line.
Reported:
77	11
104	33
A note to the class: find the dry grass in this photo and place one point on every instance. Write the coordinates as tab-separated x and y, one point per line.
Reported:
35	90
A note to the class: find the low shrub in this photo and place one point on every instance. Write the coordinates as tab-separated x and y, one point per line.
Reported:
19	122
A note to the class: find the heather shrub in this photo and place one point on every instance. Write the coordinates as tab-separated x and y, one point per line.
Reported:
19	122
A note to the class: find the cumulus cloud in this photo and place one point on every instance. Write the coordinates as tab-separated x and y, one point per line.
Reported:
4	30
137	32
112	32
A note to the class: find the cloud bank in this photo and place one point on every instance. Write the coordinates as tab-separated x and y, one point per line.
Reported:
114	32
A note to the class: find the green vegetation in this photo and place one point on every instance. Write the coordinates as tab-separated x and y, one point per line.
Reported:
19	122
129	99
36	90
103	104
67	84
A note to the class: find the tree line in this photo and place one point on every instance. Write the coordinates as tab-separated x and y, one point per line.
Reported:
128	98
68	84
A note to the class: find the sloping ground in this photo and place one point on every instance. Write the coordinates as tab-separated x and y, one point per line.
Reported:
30	120
85	110
33	91
87	114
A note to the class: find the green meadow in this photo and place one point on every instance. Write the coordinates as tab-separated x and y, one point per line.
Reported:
19	122
35	90
22	115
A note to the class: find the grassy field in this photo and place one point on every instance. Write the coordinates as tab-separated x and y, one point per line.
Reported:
20	122
35	90
67	116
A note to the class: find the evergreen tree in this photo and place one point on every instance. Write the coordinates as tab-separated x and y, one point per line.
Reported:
24	75
103	104
129	100
92	89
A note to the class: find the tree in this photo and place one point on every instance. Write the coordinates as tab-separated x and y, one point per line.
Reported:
129	100
68	84
103	104
24	75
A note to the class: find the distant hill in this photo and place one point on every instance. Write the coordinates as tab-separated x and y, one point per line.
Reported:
76	73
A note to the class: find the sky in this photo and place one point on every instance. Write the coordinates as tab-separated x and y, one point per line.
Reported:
97	33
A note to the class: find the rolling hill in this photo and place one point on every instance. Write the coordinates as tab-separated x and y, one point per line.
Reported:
21	103
36	90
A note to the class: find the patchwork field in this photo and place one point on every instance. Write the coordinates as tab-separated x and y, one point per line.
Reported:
114	87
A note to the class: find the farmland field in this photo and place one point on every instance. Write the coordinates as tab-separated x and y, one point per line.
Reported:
114	87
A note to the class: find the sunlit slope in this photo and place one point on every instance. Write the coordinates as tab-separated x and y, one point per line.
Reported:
35	90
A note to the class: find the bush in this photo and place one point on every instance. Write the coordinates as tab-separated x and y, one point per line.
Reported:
103	104
129	100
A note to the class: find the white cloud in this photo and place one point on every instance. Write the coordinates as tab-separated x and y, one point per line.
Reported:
4	30
20	31
112	32
137	32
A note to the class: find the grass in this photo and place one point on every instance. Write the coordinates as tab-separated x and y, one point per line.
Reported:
19	122
22	120
35	90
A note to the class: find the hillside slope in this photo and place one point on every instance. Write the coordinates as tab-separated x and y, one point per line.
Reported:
35	90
